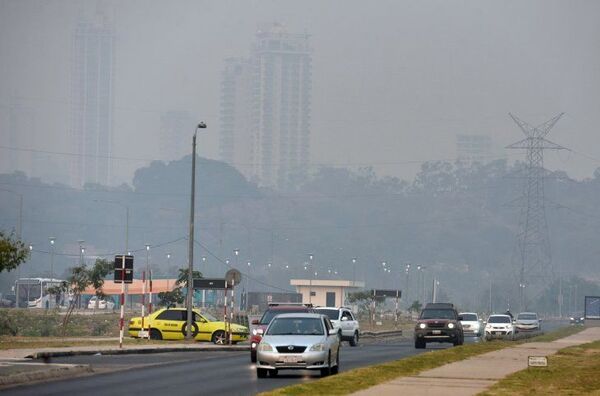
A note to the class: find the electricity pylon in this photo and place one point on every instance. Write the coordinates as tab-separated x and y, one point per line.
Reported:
533	242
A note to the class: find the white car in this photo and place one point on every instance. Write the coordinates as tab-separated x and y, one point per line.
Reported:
344	323
527	321
471	324
499	326
102	304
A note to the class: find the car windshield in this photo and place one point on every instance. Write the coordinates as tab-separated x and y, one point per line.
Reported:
209	317
296	326
437	314
271	313
469	317
333	314
499	319
527	316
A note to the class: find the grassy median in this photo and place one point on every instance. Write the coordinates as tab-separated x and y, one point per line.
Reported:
9	342
365	377
571	371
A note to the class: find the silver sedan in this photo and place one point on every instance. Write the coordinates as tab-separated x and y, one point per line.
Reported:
298	341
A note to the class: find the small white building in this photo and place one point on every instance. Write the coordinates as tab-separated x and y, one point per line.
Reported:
327	293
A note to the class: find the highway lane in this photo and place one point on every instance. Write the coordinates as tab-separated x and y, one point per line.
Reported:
193	373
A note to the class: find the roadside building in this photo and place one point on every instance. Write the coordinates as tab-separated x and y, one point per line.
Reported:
325	292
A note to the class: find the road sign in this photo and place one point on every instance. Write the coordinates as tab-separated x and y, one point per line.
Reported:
125	262
387	293
537	361
592	307
233	277
209	283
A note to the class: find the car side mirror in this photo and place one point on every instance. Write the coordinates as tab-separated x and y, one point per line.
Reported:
255	322
344	319
332	332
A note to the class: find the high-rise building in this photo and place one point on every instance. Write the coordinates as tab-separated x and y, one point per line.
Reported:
21	135
474	148
176	128
92	99
265	109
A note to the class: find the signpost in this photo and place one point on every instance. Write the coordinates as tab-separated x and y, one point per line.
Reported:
537	361
123	274
232	277
388	294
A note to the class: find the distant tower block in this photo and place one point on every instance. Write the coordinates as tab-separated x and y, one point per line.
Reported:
534	261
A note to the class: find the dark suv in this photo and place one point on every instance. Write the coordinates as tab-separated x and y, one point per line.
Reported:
259	326
438	322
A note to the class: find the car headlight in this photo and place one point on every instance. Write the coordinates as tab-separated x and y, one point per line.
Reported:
450	325
422	325
581	318
320	347
572	318
265	347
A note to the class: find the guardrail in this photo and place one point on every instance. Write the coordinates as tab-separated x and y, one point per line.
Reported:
380	334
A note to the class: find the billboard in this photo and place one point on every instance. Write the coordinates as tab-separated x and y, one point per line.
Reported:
592	307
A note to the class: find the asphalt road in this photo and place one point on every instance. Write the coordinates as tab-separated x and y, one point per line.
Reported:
193	373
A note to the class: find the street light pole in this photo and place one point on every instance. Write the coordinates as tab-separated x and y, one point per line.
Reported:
190	282
310	259
52	239
354	270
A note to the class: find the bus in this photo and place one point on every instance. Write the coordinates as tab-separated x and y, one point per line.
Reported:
33	293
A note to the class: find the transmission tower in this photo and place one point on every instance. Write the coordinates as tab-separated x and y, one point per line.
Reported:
533	243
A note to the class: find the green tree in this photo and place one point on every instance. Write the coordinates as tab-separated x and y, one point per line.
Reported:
170	298
182	278
12	252
415	306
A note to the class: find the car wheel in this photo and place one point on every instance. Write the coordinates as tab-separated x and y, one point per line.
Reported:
354	340
336	369
253	356
327	370
155	334
261	373
219	337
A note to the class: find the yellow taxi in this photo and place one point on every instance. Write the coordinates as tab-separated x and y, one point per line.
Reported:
171	324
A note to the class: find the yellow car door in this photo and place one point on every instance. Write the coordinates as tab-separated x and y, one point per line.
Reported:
170	323
204	331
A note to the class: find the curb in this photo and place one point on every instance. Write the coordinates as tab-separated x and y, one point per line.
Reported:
54	373
129	351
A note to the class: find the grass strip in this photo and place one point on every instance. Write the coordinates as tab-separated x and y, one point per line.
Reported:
365	377
572	371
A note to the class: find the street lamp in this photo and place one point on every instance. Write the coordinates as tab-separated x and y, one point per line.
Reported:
354	270
310	261
52	240
190	282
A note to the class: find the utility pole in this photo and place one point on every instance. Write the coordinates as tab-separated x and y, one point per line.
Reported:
190	282
533	242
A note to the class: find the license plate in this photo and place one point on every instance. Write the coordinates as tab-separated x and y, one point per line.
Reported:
290	359
143	334
436	331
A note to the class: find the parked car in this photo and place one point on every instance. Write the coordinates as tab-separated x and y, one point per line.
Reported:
527	321
499	326
344	322
171	324
259	326
299	341
471	324
438	322
102	304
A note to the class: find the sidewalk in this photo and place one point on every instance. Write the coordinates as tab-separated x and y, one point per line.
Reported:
474	375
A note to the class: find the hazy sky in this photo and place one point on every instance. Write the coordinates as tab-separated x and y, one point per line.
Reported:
394	81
